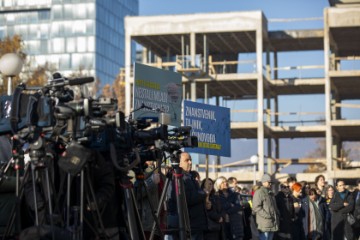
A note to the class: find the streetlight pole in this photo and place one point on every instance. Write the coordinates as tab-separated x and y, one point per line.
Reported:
254	160
10	66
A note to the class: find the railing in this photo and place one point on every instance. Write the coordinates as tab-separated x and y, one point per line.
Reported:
343	63
277	162
346	105
302	71
184	64
268	114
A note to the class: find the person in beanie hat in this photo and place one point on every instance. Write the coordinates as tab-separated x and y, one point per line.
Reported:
264	207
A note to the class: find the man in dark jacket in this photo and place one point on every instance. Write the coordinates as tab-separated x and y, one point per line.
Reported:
341	204
195	199
285	204
356	195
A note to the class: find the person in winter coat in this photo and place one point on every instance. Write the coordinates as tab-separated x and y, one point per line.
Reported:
264	207
297	230
285	204
312	216
356	195
195	200
214	212
330	191
341	204
320	185
231	205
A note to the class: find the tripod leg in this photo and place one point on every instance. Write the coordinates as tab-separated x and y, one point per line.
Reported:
133	215
34	194
161	202
68	177
96	205
81	227
182	208
50	204
185	213
15	212
153	213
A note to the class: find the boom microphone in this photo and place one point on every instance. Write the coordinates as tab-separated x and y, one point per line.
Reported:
79	81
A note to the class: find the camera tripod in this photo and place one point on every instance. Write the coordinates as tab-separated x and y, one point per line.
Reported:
80	191
142	192
75	215
176	174
134	220
35	172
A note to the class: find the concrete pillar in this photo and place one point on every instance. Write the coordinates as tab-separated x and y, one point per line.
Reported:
193	90
182	51
268	109
336	152
328	134
144	57
275	65
260	99
127	73
193	49
205	55
268	69
206	93
269	155
276	109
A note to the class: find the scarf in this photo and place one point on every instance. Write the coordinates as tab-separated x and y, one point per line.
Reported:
315	223
343	194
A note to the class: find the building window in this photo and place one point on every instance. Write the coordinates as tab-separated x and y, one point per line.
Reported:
58	45
79	27
81	44
44	15
70	45
91	44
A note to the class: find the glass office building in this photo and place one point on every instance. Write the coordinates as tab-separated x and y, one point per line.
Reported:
71	34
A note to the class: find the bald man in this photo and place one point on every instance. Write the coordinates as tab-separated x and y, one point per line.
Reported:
195	199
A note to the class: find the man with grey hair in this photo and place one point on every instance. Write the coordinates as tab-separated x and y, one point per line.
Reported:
265	209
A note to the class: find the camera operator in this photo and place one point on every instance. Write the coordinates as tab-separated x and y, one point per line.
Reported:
195	198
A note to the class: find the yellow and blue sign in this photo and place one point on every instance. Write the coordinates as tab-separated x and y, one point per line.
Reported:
211	125
156	91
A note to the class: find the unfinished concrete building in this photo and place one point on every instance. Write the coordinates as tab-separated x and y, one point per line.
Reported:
205	49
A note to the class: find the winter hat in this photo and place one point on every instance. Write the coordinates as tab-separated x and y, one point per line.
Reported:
266	178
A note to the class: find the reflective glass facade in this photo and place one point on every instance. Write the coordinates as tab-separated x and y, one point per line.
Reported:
71	34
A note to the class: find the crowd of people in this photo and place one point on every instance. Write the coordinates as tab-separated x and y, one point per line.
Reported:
298	210
221	209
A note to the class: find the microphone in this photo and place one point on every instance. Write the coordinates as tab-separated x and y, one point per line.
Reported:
79	80
60	81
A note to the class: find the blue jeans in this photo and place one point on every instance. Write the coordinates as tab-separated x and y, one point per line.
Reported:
266	235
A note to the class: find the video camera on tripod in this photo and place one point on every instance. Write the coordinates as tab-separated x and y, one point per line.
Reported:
31	108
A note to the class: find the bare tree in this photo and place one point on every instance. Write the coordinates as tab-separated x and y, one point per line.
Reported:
119	89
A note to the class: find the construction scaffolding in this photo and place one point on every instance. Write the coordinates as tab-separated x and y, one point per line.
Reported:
205	49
